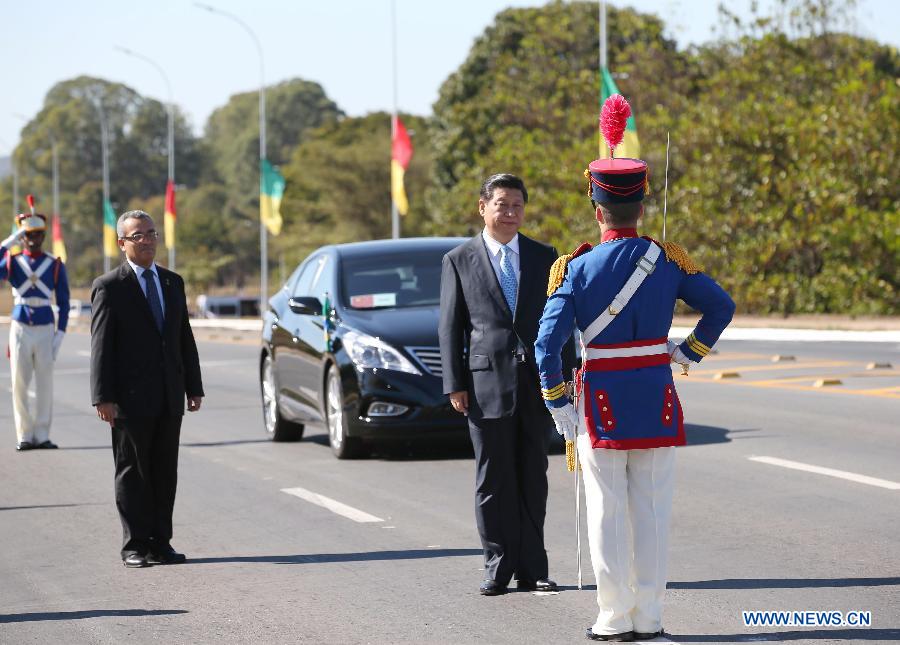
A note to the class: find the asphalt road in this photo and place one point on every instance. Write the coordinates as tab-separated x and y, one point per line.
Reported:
272	567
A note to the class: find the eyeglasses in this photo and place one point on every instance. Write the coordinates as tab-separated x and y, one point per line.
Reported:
137	238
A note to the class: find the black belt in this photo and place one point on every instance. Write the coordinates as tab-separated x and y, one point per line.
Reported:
521	357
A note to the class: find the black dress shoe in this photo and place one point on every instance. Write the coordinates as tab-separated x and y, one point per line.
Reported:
492	588
544	584
165	556
47	445
623	637
135	561
24	445
647	636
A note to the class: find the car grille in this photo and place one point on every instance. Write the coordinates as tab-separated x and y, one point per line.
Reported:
428	358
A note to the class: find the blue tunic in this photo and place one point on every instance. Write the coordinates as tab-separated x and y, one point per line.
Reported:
626	382
54	278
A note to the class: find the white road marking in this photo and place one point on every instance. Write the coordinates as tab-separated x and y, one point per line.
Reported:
222	363
332	505
831	472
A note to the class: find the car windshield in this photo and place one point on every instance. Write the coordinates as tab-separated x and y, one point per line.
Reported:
393	281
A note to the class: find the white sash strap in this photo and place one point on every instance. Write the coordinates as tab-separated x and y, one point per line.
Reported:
592	353
33	279
645	266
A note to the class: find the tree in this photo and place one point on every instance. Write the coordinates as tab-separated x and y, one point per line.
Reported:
790	193
137	159
338	185
232	132
526	101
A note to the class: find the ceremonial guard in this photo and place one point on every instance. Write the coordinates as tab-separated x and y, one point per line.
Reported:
621	295
34	336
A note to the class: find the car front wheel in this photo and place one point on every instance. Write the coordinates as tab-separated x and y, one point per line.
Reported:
277	427
342	446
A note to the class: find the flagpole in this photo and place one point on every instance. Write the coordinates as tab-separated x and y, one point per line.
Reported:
170	118
395	215
104	143
263	232
55	177
602	53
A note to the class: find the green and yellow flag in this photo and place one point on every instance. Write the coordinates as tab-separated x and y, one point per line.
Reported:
271	189
110	248
630	146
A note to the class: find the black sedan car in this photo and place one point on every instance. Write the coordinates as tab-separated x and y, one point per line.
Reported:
351	340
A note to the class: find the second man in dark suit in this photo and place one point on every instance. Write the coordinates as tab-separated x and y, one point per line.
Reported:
492	297
143	363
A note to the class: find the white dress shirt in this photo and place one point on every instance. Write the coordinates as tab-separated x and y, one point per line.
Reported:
493	247
139	272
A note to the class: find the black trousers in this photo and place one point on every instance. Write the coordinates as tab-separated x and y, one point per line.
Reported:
145	451
511	486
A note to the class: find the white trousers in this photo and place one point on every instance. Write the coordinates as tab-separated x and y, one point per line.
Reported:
31	354
629	565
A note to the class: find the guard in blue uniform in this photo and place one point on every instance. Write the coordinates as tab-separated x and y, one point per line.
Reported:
35	336
621	295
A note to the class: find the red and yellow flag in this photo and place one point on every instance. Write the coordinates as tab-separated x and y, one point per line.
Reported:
169	217
401	153
59	245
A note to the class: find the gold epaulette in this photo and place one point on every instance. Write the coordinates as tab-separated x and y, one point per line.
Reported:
676	254
558	270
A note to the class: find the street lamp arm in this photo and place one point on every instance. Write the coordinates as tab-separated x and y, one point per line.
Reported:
153	63
246	27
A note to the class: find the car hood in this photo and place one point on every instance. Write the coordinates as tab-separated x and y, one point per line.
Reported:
407	327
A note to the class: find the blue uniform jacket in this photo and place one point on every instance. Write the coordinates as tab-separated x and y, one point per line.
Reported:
629	397
54	277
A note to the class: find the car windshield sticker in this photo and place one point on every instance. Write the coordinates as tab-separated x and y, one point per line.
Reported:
374	300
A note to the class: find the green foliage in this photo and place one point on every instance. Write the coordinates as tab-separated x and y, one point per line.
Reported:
784	178
526	101
137	157
338	185
790	192
292	108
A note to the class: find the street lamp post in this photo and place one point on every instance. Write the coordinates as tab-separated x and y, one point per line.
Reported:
104	153
395	215
263	233
171	132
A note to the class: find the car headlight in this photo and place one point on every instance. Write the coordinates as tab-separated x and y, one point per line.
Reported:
370	352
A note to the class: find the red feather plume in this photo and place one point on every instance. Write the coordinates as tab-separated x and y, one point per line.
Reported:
30	200
613	119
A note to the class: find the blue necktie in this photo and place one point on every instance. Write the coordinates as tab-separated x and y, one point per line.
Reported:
153	299
508	281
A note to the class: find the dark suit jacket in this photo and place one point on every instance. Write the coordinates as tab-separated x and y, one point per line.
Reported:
476	318
145	373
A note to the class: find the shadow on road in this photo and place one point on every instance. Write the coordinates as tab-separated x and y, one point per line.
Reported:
22	508
785	583
881	635
698	435
89	613
235	442
321	558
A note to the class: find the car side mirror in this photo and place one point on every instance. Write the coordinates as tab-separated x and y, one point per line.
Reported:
305	305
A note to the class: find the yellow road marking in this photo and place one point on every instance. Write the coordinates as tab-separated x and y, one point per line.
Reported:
787	384
775	367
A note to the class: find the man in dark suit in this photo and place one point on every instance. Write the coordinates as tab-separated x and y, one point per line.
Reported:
488	326
143	362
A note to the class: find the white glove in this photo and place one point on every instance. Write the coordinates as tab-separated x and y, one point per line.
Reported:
58	336
566	421
677	356
13	239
